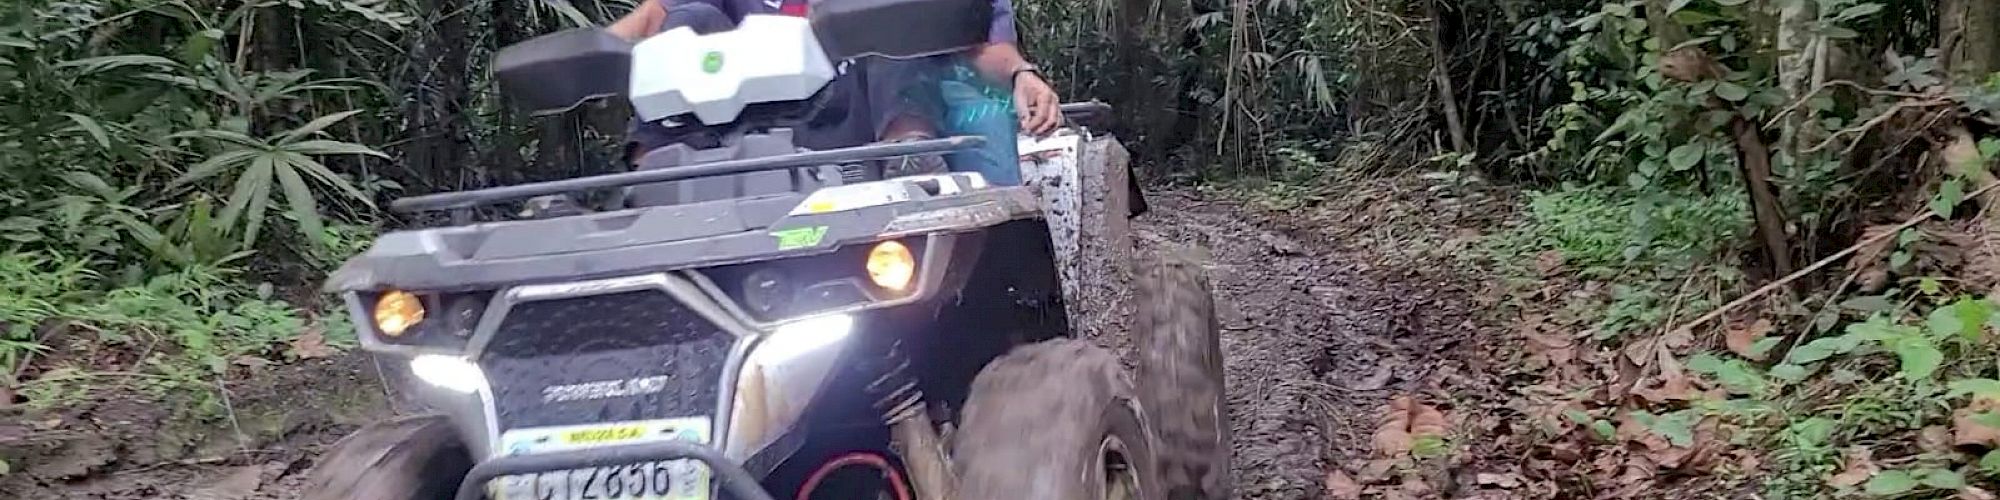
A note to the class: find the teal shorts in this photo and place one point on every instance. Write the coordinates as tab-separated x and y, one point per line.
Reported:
974	107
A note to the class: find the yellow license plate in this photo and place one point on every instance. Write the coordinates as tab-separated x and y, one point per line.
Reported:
664	480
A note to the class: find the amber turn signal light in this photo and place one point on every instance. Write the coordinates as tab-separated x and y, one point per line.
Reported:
891	266
397	311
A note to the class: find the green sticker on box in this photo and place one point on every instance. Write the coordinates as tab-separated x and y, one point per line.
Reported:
799	237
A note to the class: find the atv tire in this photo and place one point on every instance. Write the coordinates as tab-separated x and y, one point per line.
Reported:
1180	373
410	458
1039	421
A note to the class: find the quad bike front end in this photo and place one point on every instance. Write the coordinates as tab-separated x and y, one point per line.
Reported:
670	349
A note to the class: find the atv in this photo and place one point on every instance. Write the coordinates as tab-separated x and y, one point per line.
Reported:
740	317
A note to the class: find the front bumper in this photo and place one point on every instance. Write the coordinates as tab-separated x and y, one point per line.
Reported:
732	478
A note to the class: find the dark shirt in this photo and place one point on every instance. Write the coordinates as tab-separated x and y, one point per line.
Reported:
859	103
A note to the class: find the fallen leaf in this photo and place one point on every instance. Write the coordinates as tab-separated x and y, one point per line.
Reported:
1549	262
1966	428
1743	341
1384	372
1508	480
1935	439
10	433
1280	244
1377	470
1415	486
1547	350
311	345
1857	467
1340	486
1674	383
1404	421
239	485
1974	493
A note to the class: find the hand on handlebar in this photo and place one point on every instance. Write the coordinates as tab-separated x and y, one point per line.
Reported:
1037	105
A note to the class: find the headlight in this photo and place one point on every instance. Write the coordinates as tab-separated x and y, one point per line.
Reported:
890	265
445	320
802	337
852	276
452	373
397	311
780	378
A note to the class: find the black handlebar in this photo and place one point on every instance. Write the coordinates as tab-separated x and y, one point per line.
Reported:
1085	111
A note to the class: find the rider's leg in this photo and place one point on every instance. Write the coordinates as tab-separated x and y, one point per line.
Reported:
974	107
903	99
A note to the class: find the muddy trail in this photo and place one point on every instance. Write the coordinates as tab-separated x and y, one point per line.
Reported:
1317	340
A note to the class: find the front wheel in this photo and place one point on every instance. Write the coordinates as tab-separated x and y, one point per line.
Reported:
1054	421
1181	378
410	458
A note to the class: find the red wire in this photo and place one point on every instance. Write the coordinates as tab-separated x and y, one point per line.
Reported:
857	458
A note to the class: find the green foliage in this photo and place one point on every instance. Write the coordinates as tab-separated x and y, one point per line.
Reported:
1603	232
191	324
280	162
141	147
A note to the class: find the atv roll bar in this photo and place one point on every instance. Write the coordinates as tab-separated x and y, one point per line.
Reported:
734	479
469	199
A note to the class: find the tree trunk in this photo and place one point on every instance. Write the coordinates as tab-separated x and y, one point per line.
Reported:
1753	154
1441	73
1147	92
1754	159
436	122
1796	57
1969	49
1969	38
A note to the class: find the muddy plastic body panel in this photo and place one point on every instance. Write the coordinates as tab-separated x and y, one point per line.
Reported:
767	58
664	238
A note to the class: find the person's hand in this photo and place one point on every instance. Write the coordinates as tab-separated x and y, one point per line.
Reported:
1036	104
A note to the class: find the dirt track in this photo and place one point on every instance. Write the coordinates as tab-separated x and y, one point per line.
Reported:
1316	341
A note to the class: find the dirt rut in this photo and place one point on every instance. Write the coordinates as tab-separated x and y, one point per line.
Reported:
1316	340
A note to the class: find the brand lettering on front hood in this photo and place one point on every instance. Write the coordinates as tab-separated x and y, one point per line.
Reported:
604	389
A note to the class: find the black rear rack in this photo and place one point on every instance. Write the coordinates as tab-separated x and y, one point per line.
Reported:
468	199
733	478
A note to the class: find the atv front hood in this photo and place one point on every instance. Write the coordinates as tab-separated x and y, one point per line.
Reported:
654	239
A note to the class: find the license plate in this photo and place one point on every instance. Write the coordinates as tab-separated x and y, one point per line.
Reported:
667	480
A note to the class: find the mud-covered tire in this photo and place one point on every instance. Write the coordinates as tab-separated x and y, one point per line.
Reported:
1037	419
410	458
1180	377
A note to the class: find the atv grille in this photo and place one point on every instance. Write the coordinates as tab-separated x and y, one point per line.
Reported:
605	358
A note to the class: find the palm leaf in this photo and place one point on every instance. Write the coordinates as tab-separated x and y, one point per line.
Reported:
90	126
314	126
229	136
253	188
208	168
97	64
92	183
568	11
319	171
300	198
253	221
326	147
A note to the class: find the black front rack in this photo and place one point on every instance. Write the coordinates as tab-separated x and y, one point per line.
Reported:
468	199
733	478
